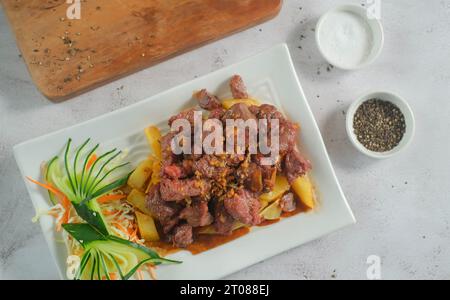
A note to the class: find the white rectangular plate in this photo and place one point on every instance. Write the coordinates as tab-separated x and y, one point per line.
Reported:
270	77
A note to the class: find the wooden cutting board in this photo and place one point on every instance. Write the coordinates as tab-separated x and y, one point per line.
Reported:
114	38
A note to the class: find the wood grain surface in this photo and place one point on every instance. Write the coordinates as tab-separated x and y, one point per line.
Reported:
114	38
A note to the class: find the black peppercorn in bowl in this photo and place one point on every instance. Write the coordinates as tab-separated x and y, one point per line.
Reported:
380	124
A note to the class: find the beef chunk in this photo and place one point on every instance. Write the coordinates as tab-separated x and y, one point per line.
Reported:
266	111
187	115
223	221
288	135
269	175
187	166
244	207
269	172
173	171
295	165
216	113
288	203
162	210
169	224
211	167
238	88
178	190
179	171
197	215
287	129
182	236
254	181
207	101
239	111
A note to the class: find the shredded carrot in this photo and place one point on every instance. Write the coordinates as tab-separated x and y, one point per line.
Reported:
91	161
47	186
113	276
120	227
63	199
110	212
132	232
108	198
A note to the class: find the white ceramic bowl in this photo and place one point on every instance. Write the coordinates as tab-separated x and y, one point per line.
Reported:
405	109
376	44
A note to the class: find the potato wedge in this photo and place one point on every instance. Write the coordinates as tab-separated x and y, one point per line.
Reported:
281	187
141	175
147	227
153	135
304	189
138	199
227	104
273	211
156	176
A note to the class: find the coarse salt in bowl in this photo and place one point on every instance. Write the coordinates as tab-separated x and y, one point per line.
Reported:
348	38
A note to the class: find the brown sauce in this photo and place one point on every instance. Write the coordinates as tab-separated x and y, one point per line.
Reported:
205	242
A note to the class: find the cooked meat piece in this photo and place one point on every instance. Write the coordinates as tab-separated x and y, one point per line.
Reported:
254	110
239	111
269	172
204	167
244	207
254	181
216	113
182	236
287	129
295	165
197	215
269	175
187	114
161	209
288	135
173	171
187	166
178	190
288	203
207	101
169	224
211	167
267	111
223	221
238	88
179	171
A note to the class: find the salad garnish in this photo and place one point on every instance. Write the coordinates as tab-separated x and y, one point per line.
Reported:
84	190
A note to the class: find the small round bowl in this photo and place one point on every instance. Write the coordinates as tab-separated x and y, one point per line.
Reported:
404	108
377	42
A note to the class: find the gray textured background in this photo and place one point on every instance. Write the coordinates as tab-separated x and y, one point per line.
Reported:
402	204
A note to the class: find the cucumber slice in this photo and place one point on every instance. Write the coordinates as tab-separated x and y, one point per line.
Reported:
106	253
50	165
